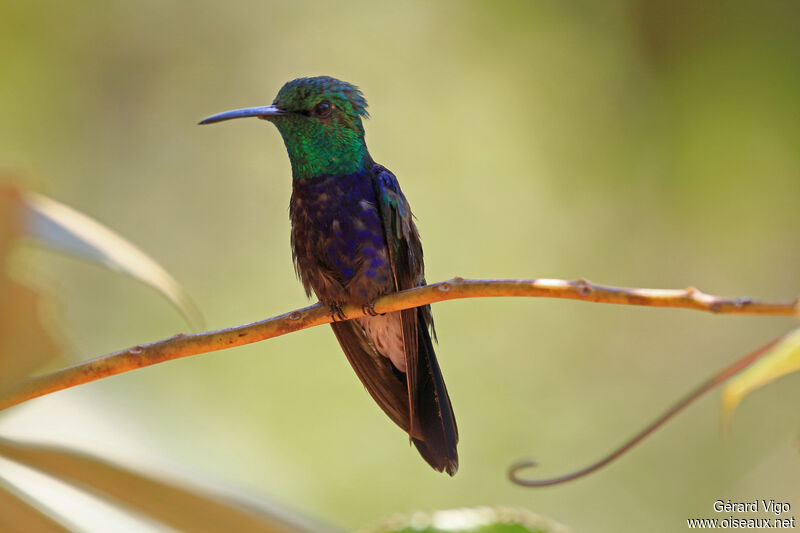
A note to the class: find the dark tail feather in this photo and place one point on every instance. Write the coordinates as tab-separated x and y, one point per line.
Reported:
433	409
434	423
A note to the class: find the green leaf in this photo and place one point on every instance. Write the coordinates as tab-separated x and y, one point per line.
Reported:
62	228
476	520
782	359
188	509
19	515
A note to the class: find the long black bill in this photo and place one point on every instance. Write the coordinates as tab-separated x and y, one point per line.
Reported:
264	113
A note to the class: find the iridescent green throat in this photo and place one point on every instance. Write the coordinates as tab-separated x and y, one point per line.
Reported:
323	147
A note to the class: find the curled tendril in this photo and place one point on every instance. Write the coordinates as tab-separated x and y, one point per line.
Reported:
720	377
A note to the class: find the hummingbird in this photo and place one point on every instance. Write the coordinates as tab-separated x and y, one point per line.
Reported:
353	240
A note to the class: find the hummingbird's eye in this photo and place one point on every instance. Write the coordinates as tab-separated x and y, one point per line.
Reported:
323	109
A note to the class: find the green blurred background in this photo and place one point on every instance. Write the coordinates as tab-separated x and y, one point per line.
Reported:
649	143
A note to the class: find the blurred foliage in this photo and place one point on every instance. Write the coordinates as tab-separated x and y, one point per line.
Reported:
17	515
782	359
27	339
636	143
25	342
476	520
181	506
59	227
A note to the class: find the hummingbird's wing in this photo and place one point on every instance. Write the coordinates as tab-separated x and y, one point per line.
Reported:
429	402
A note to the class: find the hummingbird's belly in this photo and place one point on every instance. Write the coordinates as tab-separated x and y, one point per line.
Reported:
338	239
385	332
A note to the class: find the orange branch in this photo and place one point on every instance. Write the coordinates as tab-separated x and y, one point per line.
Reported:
186	345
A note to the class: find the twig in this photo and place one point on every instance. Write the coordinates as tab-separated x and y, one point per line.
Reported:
185	345
718	378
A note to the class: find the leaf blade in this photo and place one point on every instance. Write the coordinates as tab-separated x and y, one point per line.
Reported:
185	508
26	342
18	515
65	229
782	359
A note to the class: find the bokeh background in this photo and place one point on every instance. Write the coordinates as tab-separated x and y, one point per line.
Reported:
634	143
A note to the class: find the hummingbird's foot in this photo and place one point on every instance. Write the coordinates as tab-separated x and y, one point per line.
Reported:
337	315
369	309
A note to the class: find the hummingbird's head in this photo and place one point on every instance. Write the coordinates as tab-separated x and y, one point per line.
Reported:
320	121
325	99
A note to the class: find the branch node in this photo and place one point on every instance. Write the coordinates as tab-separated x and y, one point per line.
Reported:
584	287
444	287
295	315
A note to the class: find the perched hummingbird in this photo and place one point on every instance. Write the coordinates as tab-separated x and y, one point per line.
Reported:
353	240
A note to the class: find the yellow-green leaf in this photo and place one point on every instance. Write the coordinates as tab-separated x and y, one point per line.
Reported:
63	228
18	515
188	509
782	359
